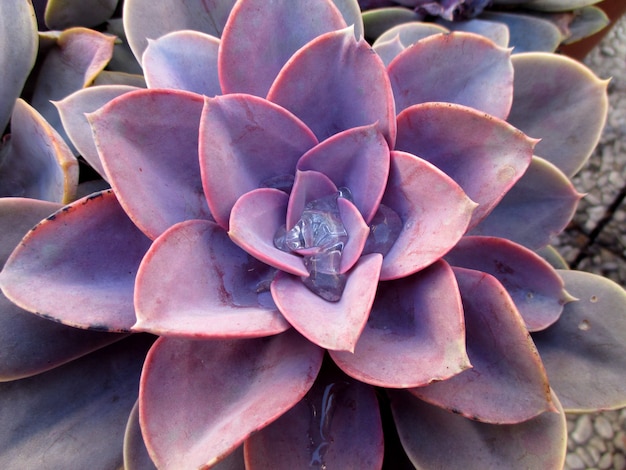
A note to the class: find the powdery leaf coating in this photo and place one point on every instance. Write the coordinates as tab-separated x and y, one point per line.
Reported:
482	79
507	383
483	154
332	95
183	60
436	438
584	352
528	33
158	151
35	160
252	54
330	325
336	425
89	251
63	14
231	389
492	30
195	282
418	318
560	101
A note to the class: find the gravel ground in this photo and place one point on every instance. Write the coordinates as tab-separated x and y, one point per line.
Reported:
596	242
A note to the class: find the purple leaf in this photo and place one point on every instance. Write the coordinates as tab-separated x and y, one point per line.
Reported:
160	150
73	416
72	110
492	30
560	101
255	219
434	210
142	21
483	154
395	40
253	51
584	352
18	51
507	383
135	453
241	138
436	438
482	80
528	32
214	394
78	266
195	282
35	160
539	206
534	286
63	14
183	60
336	425
418	319
358	159
332	95
330	325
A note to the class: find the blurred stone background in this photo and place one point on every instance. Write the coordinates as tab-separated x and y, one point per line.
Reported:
595	241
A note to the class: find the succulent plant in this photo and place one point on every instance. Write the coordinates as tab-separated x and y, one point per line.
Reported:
336	248
527	25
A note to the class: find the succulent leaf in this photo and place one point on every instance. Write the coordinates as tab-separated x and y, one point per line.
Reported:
332	95
232	388
63	14
418	318
507	383
584	352
492	30
183	60
130	149
215	290
436	438
78	251
482	80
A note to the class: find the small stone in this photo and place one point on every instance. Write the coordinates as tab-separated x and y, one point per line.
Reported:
603	427
587	457
619	462
583	430
620	441
606	461
574	462
598	444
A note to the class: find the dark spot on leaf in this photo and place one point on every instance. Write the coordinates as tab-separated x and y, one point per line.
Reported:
51	217
99	327
455	411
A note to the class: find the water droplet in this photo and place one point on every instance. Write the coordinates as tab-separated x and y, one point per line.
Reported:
385	228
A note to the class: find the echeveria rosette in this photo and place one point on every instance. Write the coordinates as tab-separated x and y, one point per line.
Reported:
227	353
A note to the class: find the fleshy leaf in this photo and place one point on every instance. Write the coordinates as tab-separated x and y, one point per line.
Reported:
336	425
152	162
253	51
528	33
351	13
255	220
358	159
18	50
539	206
73	416
483	154
434	210
230	389
195	282
73	63
417	318
560	101
72	110
482	80
492	30
35	160
246	141
587	21
559	5
436	438
393	41
142	21
532	283
332	95
377	21
135	453
63	14
584	352
89	251
507	383
183	60
330	325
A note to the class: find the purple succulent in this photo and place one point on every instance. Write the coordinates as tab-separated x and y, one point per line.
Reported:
324	241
